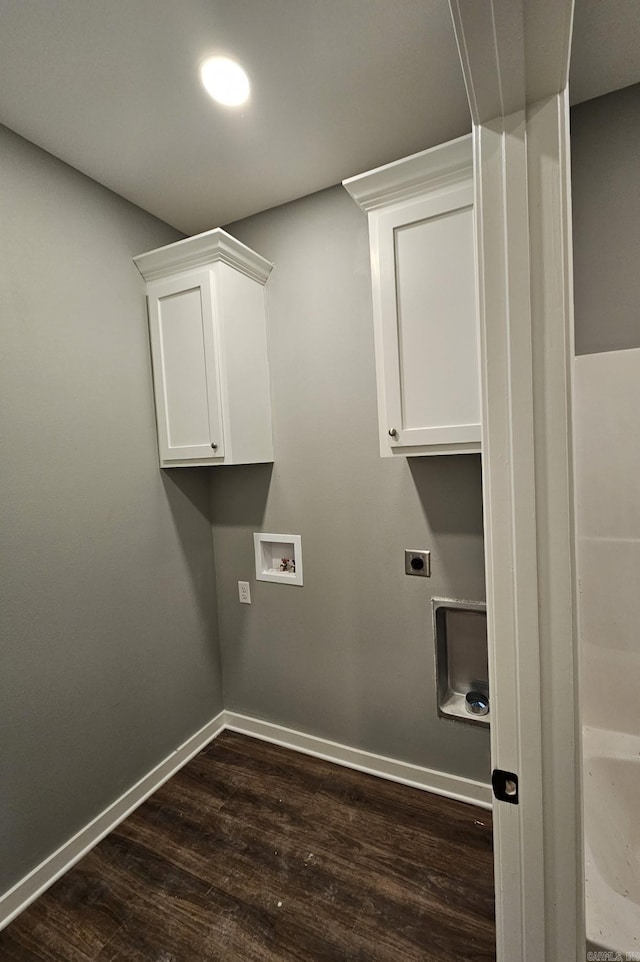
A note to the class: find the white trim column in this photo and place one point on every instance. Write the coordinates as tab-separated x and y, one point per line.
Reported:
517	94
510	530
551	250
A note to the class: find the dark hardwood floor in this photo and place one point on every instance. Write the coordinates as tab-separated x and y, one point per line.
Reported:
253	853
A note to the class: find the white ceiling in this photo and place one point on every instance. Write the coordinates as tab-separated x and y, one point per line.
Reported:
338	87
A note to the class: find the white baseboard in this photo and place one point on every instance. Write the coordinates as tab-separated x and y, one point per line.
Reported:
46	873
440	783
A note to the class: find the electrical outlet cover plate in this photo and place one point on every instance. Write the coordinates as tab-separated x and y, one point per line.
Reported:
417	563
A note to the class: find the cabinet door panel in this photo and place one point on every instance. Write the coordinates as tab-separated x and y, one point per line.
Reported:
429	321
436	322
185	368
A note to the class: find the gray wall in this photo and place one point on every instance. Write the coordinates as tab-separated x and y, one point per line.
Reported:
348	656
605	165
109	654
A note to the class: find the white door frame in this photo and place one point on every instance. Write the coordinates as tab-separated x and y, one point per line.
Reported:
515	59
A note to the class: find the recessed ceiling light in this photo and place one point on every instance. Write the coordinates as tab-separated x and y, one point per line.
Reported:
225	81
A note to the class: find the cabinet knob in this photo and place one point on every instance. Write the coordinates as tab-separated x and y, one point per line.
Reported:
214	445
393	433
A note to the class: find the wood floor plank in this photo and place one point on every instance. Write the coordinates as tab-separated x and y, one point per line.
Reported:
366	797
72	921
254	853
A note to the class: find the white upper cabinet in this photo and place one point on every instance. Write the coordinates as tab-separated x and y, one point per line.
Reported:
421	233
209	351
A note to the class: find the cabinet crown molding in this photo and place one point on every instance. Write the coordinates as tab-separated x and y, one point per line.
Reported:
199	250
403	179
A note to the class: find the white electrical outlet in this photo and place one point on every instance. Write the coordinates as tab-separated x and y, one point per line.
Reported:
244	593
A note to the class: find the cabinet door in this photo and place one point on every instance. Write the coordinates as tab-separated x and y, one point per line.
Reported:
185	354
428	331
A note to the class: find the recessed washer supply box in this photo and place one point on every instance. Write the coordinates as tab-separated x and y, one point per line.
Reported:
278	557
